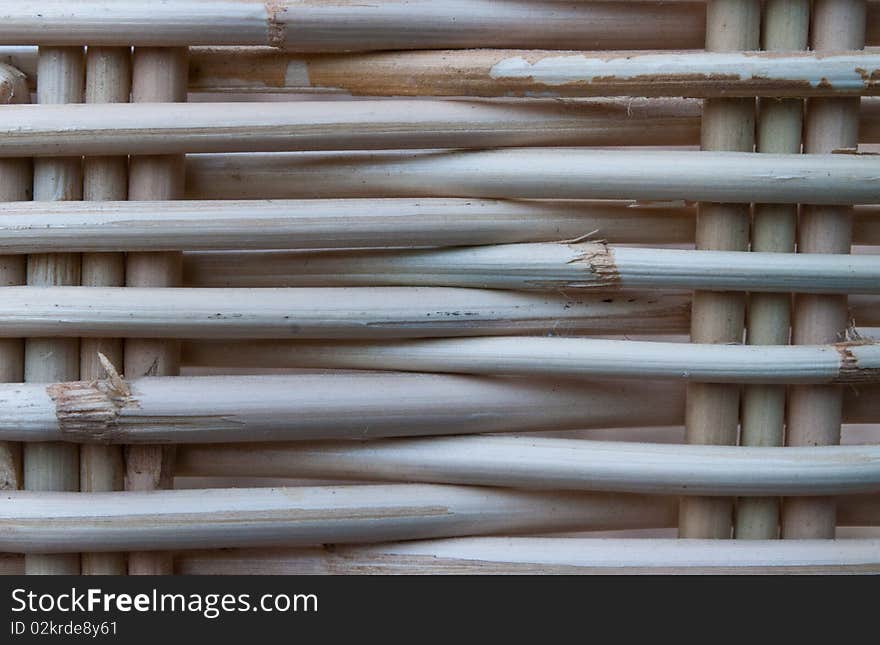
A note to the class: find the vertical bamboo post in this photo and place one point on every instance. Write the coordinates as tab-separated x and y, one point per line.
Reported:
786	27
712	412
108	80
159	76
54	466
814	414
16	182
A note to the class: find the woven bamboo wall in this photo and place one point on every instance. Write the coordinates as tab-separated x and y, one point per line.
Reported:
439	286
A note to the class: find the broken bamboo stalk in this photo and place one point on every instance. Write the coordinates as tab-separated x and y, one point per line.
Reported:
331	26
554	464
712	414
55	466
342	223
108	80
552	266
16	185
158	75
537	555
344	405
557	357
340	125
786	26
814	414
538	173
189	519
718	72
393	312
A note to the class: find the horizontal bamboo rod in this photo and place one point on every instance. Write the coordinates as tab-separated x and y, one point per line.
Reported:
321	26
537	173
847	362
567	265
339	125
31	227
555	464
390	312
240	517
339	405
535	555
35	227
550	74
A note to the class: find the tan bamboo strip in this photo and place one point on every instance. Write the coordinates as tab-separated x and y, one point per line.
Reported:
543	173
211	518
567	266
341	125
712	415
533	555
814	414
560	357
718	72
16	185
344	26
158	75
349	223
54	466
108	80
344	223
554	464
786	26
342	313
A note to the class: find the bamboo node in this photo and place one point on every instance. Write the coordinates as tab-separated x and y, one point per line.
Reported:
599	257
275	25
88	410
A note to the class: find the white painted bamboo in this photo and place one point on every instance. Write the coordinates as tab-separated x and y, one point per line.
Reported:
572	265
50	466
554	464
719	72
158	76
16	182
553	173
340	125
393	312
570	358
535	555
108	80
814	414
189	519
334	406
340	223
343	26
786	26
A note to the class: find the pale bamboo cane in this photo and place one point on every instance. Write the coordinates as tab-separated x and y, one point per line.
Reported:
343	125
108	80
553	266
712	415
334	26
534	555
340	405
570	358
541	173
814	413
16	182
343	223
190	519
341	313
786	27
158	75
49	466
553	464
